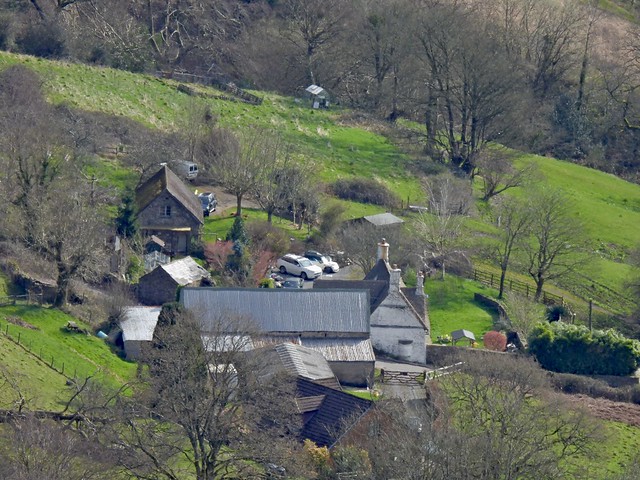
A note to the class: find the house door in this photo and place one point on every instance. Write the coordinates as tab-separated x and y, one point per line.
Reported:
182	243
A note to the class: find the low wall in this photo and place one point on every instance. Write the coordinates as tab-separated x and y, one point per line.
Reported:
442	355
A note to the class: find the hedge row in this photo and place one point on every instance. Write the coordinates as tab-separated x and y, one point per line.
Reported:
561	347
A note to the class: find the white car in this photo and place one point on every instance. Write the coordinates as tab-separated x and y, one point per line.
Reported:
297	265
324	261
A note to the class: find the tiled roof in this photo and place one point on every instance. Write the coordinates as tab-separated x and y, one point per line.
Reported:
334	414
283	310
165	179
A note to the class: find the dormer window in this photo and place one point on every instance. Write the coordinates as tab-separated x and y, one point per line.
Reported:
166	211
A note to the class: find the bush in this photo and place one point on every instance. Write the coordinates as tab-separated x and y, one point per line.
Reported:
574	349
42	40
495	341
364	190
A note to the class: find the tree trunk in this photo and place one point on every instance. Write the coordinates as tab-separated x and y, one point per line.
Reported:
62	286
239	204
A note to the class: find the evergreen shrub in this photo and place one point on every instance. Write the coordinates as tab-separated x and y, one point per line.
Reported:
561	347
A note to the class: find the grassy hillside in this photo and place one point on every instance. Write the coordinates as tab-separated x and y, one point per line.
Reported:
47	344
338	143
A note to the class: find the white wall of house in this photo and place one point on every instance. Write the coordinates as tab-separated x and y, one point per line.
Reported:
396	331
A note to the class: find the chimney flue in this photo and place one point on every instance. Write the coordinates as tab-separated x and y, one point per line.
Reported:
420	285
383	250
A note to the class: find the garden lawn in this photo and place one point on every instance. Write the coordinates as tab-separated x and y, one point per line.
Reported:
217	226
451	307
82	355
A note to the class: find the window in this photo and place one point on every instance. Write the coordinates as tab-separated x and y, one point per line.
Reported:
166	211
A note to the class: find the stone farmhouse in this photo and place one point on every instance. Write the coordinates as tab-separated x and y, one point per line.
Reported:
169	210
400	324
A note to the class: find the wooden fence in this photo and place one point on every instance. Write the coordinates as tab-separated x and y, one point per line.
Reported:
29	298
394	377
493	280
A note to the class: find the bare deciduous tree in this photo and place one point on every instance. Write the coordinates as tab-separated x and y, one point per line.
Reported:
513	219
439	231
499	174
215	417
238	161
556	247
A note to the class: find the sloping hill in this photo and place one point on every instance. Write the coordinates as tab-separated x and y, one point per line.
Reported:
341	143
38	355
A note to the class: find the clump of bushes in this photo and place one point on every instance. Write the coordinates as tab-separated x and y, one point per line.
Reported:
364	190
495	341
561	347
577	384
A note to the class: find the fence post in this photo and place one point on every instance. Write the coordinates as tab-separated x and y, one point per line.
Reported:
491	281
527	290
19	338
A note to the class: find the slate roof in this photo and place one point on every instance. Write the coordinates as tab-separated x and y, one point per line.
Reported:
139	323
303	361
185	271
165	179
283	310
328	413
378	289
460	334
380	271
297	361
383	219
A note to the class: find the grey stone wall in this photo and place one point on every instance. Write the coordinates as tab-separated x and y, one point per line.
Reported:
156	288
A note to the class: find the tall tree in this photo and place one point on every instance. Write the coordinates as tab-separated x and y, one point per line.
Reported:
468	82
238	161
212	415
439	231
311	27
513	219
555	248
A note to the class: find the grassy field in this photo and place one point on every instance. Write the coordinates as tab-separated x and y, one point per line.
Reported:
80	355
340	143
451	307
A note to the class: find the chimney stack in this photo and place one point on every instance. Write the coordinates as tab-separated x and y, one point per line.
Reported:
420	285
383	250
395	274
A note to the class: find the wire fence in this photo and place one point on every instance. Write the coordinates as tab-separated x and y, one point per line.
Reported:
493	280
44	357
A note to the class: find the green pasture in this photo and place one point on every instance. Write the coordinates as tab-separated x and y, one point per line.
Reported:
339	143
82	355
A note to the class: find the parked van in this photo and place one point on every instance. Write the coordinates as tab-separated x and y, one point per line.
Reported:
187	169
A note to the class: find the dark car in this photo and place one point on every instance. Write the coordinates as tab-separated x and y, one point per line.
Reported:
209	203
293	283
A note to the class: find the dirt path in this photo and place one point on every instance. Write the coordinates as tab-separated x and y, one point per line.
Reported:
225	200
628	413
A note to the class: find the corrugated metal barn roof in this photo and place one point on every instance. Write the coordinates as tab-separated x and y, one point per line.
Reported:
342	349
283	310
303	361
139	323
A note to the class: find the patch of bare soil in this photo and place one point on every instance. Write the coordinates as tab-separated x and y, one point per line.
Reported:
624	412
225	200
21	323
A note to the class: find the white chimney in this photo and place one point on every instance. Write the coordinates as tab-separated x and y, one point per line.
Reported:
394	279
383	250
420	285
